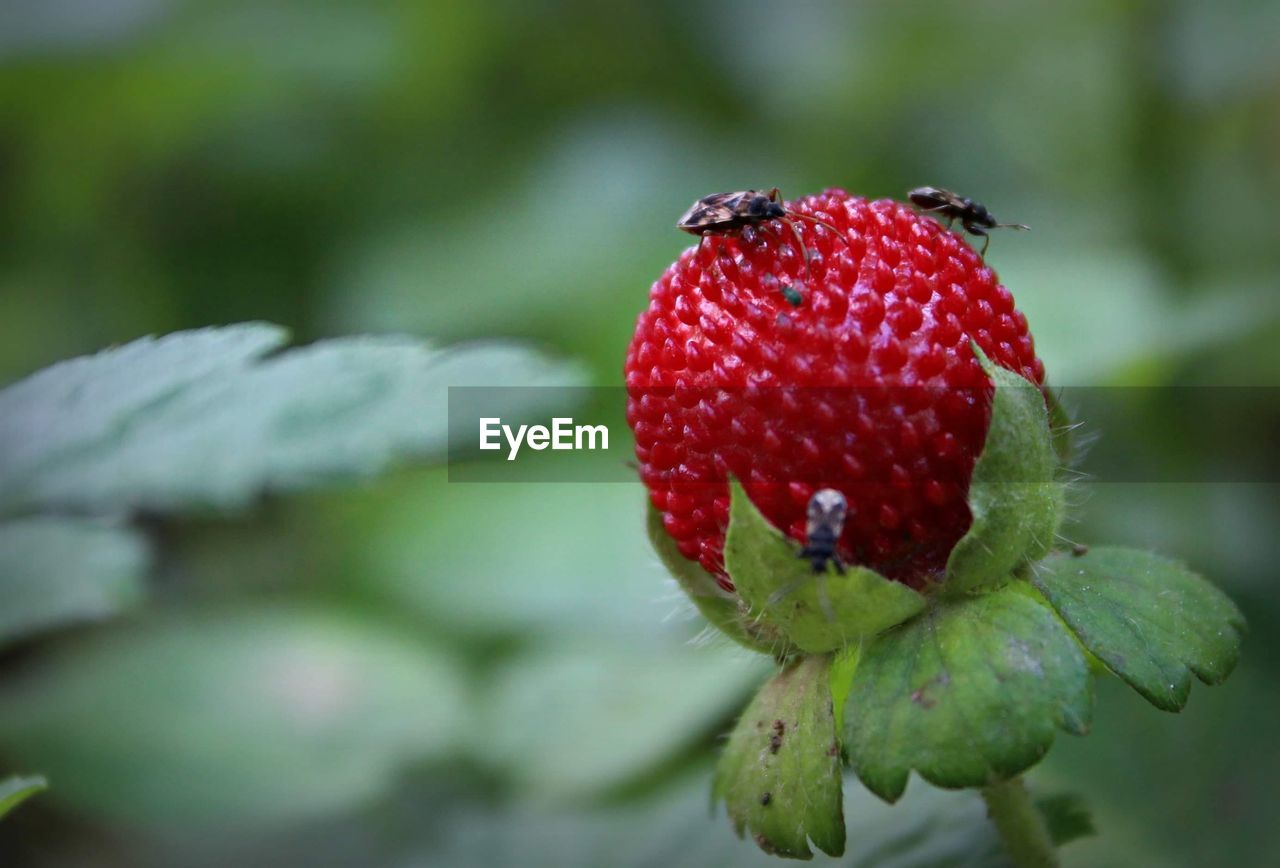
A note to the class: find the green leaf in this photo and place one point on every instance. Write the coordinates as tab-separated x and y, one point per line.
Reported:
780	773
1152	621
201	419
84	405
717	605
237	718
14	791
60	571
817	613
581	718
1014	494
967	694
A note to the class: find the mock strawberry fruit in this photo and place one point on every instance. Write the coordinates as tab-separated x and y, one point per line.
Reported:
848	366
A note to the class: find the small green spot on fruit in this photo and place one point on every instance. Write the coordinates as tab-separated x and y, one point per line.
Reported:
792	295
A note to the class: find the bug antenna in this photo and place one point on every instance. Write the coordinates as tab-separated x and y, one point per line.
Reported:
795	230
820	222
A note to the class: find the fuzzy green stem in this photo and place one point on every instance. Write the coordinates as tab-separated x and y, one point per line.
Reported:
1020	825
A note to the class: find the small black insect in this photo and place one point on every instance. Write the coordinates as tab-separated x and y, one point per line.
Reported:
973	216
825	521
1079	550
730	213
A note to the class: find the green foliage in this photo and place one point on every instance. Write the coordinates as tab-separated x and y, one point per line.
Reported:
1067	818
967	694
385	170
928	828
815	613
1014	495
206	419
1152	621
55	572
718	606
15	790
501	559
780	774
233	718
545	708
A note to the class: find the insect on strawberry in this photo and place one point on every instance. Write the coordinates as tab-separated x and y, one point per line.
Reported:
973	216
825	522
729	213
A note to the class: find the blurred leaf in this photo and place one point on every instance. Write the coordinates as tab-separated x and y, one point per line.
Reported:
14	791
511	556
968	693
232	719
1067	817
190	420
104	392
1104	317
818	613
929	828
1015	497
1227	524
576	719
780	774
68	25
58	571
578	278
960	835
1211	765
1150	619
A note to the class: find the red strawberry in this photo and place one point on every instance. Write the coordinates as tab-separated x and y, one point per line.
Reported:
868	385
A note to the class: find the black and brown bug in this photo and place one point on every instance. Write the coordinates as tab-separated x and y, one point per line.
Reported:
824	523
730	213
973	216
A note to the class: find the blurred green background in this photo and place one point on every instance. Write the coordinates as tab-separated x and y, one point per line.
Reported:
418	673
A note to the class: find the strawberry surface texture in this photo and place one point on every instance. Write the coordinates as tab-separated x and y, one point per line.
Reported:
852	370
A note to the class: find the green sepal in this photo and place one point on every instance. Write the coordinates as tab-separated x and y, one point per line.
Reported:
15	790
1014	494
780	774
717	605
967	694
817	613
1149	619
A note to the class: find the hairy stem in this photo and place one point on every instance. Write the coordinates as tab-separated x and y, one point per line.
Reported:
1020	825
